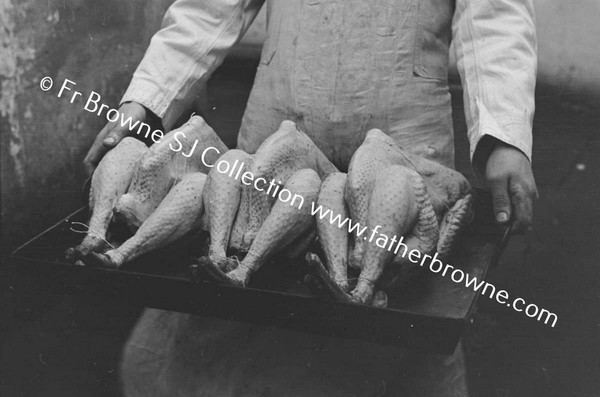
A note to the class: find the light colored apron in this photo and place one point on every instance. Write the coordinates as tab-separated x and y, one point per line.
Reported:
337	68
340	68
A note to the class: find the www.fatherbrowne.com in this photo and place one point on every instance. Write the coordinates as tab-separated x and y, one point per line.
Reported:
436	266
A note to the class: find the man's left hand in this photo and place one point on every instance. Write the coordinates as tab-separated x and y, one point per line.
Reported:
510	178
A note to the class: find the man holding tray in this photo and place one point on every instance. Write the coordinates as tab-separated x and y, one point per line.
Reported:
337	68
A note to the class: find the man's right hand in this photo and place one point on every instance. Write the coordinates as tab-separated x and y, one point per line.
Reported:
112	134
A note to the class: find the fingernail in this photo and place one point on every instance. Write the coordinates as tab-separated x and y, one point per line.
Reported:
109	141
501	217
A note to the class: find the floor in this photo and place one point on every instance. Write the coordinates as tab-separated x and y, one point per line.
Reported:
56	345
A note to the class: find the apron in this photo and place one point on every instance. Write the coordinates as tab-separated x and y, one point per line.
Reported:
337	68
340	68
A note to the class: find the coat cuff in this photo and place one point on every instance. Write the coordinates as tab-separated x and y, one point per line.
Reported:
153	97
512	131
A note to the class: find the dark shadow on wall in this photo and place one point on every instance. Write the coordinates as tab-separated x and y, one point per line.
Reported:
44	138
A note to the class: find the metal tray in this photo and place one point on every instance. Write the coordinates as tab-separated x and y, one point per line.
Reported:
428	312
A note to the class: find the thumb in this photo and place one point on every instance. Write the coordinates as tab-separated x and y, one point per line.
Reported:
114	137
501	200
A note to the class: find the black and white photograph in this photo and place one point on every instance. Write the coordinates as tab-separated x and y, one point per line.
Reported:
303	198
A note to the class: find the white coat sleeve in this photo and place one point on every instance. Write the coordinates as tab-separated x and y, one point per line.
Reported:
195	37
496	52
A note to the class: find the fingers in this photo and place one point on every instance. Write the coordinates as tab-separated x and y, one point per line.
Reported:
501	200
523	213
108	138
510	179
112	134
522	194
513	199
96	152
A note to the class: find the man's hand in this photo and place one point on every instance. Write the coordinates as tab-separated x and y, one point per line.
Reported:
112	134
510	179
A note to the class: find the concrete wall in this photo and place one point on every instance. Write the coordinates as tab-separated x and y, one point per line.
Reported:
568	43
44	138
98	44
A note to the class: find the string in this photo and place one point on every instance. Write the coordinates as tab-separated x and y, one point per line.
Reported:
236	259
85	230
